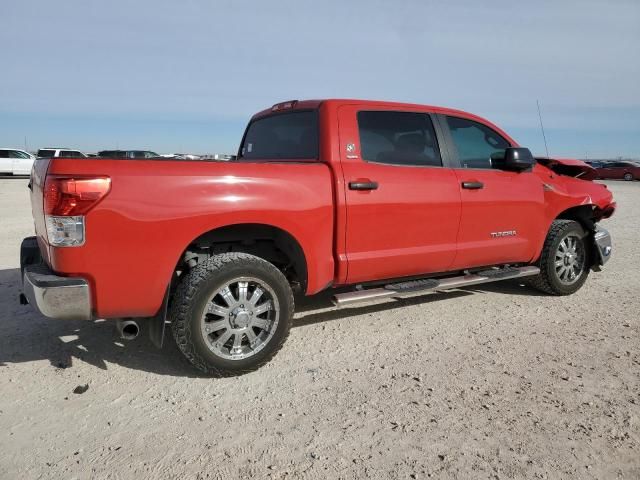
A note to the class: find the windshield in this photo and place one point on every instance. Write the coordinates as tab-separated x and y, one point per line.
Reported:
282	136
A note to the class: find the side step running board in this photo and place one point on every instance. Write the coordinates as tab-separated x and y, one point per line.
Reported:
432	284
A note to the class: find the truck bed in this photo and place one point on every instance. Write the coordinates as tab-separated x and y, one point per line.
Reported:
137	234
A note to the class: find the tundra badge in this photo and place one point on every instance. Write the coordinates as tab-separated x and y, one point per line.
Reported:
508	233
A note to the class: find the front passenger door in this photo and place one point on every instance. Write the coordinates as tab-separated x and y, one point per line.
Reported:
502	211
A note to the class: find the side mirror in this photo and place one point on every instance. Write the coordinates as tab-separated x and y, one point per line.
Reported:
518	159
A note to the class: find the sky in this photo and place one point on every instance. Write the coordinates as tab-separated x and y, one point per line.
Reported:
185	76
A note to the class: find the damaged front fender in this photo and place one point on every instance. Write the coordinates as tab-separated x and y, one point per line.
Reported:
570	167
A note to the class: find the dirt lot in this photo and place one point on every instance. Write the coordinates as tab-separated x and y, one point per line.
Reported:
492	382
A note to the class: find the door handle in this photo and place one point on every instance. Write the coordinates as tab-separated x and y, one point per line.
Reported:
363	185
472	185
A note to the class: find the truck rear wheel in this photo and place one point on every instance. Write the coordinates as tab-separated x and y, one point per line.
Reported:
564	261
232	313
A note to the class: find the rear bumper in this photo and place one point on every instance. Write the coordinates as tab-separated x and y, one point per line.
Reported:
603	247
53	296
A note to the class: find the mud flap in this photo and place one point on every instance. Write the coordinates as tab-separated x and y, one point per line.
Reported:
157	323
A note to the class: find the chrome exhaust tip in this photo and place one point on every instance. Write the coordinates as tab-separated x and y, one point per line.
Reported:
127	329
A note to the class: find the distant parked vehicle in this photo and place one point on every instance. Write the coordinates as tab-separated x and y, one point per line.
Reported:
51	152
595	163
14	161
127	154
618	170
184	156
218	156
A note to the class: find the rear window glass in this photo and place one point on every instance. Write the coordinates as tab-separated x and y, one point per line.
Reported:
282	136
46	153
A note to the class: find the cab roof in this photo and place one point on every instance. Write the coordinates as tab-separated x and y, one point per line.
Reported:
292	105
312	104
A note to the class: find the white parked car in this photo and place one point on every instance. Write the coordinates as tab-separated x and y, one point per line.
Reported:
51	152
183	156
15	161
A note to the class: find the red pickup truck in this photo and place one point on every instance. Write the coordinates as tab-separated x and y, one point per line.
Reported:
389	198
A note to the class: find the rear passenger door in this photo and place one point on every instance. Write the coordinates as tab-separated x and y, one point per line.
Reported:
402	203
21	162
6	163
619	169
605	170
502	211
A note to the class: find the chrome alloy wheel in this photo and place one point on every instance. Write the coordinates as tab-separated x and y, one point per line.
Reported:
240	319
570	259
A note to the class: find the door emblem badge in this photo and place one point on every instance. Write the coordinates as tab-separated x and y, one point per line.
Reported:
508	233
351	147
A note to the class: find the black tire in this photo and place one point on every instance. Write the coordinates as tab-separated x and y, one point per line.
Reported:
628	177
549	280
196	290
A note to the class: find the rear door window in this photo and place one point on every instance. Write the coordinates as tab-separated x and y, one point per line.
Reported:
282	136
71	154
476	145
46	153
398	138
18	154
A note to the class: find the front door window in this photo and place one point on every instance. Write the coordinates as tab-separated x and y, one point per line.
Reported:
476	145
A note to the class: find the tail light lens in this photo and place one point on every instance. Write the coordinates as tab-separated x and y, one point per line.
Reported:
65	231
64	196
66	201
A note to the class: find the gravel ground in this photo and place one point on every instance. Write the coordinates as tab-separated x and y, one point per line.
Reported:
491	382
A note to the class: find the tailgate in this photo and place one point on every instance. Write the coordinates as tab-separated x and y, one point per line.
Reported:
36	185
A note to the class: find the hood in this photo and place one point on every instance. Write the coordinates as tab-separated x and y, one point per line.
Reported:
570	167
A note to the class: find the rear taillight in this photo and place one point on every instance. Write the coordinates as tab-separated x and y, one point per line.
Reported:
69	196
66	201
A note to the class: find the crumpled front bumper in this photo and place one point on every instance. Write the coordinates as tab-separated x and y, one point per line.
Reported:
603	246
67	298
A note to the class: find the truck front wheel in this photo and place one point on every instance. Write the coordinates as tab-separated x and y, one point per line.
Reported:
564	261
232	313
